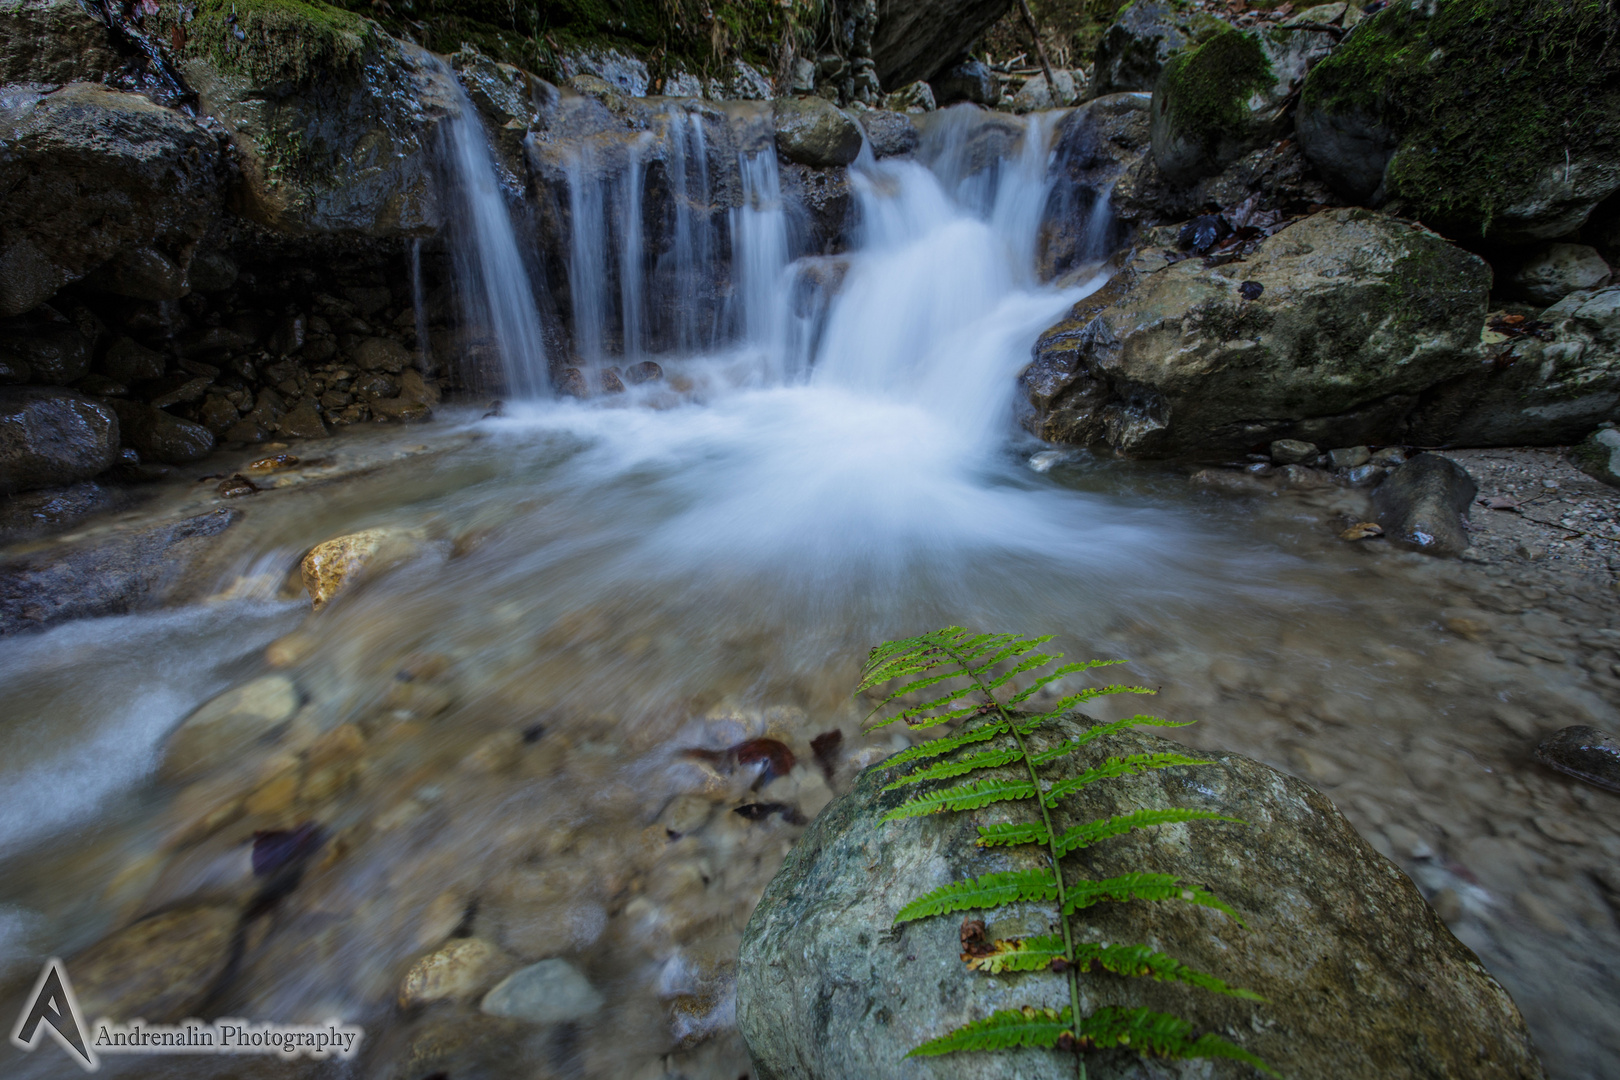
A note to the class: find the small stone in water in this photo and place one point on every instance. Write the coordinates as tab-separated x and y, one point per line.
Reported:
275	461
611	382
1043	461
1293	451
761	811
236	484
571	383
1584	753
644	372
550	992
1362	530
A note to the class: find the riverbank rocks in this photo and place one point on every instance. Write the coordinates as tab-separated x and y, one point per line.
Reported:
1214	103
814	131
332	119
161	969
1553	271
971	80
53	41
1133	50
233	719
1439	106
50	436
1355	316
1549	388
1096	144
90	174
1598	455
1423	504
158	436
916	39
1584	753
1361	977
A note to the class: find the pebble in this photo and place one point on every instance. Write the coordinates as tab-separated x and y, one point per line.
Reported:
228	722
550	992
455	971
1584	753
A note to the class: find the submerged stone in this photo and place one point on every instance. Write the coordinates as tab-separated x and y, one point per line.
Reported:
550	992
1584	753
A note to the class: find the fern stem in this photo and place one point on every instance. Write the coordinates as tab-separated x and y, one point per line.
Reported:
1052	852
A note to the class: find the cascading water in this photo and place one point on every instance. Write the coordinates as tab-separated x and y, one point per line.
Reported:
496	294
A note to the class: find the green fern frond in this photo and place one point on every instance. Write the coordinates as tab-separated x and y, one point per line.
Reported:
972	796
1128	765
946	743
1137	886
1079	836
1141	961
1054	675
944	770
1028	1026
1092	734
1026	954
1159	1034
1008	833
988	891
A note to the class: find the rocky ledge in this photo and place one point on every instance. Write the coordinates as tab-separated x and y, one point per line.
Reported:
1361	977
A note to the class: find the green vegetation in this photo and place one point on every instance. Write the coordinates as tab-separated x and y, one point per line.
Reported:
1211	85
993	736
1486	96
276	41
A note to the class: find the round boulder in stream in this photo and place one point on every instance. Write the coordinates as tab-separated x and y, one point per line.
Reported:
814	131
1361	977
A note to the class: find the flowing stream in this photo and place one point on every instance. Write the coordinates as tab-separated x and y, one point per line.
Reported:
599	588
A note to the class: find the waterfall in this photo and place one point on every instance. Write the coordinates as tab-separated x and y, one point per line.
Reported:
587	254
687	163
424	353
759	256
492	283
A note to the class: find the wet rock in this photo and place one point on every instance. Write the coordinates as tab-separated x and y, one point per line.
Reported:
1548	390
1359	315
1214	103
362	107
1598	456
54	41
739	82
1349	457
161	969
50	436
644	372
971	80
381	354
211	272
1447	160
227	723
36	512
1585	753
92	173
1132	52
1553	271
159	436
610	381
54	354
126	571
458	970
813	131
822	202
1097	144
889	133
304	422
550	992
916	39
571	383
918	97
1423	504
621	71
828	985
142	273
337	564
1293	452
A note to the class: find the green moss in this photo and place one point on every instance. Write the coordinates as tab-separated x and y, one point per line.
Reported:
278	41
1485	94
1229	322
1212	83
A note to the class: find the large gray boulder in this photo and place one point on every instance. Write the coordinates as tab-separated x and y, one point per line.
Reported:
334	121
90	174
51	436
1442	107
1132	52
1598	455
1361	977
53	41
813	131
1531	390
1329	333
1214	103
916	39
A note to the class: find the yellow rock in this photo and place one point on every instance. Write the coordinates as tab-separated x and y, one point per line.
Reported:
458	970
495	753
440	918
334	565
340	744
274	796
287	651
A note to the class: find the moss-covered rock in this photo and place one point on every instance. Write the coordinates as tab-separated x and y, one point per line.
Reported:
1215	103
333	119
1133	51
1598	455
1496	118
1355	316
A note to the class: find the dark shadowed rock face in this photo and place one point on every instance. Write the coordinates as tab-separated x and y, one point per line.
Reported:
1356	316
1133	51
1423	504
1362	978
53	41
916	39
91	174
51	436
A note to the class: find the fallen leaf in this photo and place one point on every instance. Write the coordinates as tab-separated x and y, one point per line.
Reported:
1362	530
825	747
278	848
774	755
